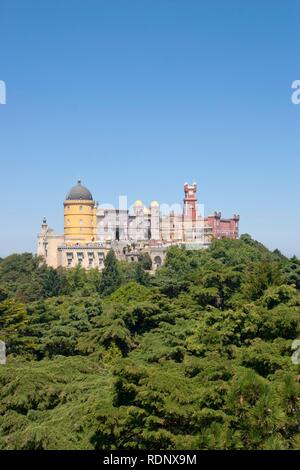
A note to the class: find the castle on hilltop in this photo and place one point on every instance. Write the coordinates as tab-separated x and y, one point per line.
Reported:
91	230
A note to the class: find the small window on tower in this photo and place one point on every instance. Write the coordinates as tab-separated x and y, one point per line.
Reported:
80	208
80	222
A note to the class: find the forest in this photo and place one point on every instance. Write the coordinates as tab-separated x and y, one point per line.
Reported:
196	356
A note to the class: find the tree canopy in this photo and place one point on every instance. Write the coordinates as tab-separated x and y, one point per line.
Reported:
195	356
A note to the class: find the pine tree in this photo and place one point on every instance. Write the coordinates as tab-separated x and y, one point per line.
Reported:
111	278
52	284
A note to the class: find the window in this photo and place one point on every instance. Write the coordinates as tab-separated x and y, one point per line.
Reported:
91	258
69	258
80	208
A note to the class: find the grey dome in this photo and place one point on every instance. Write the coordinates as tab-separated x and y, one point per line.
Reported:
79	192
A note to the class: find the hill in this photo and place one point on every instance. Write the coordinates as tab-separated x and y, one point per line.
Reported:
197	356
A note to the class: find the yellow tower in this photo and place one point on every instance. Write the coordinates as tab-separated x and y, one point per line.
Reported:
79	216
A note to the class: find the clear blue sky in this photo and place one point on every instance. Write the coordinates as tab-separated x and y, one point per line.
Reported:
136	97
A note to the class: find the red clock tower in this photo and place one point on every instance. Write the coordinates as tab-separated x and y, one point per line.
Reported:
190	202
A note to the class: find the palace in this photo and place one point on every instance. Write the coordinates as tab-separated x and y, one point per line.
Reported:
91	230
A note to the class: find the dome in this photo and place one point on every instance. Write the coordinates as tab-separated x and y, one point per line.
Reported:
79	192
154	204
138	203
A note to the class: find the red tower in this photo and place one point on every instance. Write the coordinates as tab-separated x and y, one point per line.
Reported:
190	201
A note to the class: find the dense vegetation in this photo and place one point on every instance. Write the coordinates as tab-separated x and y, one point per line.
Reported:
197	356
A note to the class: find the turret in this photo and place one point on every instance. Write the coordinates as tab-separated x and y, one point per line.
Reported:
155	220
190	201
79	216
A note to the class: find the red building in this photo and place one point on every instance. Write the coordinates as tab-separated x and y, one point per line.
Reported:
228	228
220	228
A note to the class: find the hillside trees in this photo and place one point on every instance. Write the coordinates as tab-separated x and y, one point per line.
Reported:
197	356
111	278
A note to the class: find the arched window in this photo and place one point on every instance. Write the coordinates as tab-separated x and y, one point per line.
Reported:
157	260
